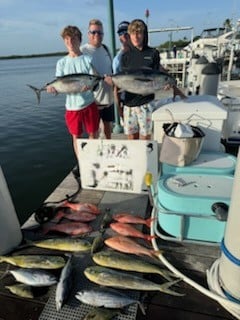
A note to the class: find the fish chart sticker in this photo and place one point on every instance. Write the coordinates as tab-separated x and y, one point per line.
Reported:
117	165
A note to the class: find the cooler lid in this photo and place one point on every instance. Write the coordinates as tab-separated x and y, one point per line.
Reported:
193	108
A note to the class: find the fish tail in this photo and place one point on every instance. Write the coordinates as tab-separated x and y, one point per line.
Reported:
165	288
149	238
5	272
37	91
149	221
141	306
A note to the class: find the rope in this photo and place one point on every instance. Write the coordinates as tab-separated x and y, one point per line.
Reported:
215	291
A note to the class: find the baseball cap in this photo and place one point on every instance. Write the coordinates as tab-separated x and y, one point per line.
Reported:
123	27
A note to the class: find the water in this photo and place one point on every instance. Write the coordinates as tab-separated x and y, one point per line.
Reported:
35	146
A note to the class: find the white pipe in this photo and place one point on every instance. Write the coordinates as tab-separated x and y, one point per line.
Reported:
229	269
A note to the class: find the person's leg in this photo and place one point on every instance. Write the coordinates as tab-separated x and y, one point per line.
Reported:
145	122
107	127
131	128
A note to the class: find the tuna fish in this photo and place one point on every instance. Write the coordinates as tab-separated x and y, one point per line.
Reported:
128	262
71	83
35	261
34	277
122	280
65	284
143	81
106	298
125	244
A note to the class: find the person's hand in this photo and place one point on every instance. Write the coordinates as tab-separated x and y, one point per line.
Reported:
51	89
108	80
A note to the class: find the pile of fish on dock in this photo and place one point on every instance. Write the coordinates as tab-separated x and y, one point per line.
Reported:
117	251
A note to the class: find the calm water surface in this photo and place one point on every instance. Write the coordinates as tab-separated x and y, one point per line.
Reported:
35	147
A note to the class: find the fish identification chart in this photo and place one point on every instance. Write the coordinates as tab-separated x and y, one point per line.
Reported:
117	165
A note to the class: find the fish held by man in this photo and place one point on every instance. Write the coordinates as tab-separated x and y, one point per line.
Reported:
35	261
143	81
106	298
71	83
64	284
126	229
127	245
126	262
122	280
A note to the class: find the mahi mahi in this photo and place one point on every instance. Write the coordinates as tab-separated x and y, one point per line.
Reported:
71	83
128	262
116	279
143	81
35	261
64	244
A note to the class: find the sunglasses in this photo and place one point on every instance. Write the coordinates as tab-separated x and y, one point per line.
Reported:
93	32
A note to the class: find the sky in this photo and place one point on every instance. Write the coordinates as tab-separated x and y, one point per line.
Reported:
34	26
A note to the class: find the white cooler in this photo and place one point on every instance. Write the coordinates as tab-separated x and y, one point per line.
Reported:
204	111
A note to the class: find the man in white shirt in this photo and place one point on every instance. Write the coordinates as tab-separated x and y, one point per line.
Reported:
102	63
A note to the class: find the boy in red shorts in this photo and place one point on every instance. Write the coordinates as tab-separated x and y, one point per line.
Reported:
81	110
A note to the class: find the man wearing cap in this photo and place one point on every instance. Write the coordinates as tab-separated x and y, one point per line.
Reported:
124	40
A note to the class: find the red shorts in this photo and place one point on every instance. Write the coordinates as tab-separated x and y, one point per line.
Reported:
85	120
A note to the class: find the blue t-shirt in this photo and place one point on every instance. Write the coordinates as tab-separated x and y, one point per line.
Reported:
71	65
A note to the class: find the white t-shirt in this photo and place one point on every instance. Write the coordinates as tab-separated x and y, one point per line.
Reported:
102	64
71	65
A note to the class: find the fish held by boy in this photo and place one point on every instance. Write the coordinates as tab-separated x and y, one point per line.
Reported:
143	81
122	280
71	83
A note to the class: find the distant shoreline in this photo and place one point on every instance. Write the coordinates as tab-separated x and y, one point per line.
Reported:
33	55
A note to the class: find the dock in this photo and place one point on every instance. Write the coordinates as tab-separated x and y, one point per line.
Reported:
191	259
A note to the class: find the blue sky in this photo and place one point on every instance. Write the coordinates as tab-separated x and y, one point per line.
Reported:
33	26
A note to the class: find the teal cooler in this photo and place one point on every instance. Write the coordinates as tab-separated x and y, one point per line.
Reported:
207	162
187	202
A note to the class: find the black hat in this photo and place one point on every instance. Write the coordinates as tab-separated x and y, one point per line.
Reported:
123	27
